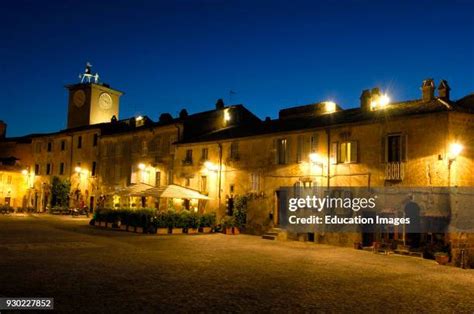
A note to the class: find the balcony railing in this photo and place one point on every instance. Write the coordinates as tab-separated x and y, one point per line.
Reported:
394	171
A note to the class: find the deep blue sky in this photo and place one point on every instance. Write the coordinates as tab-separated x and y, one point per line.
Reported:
185	54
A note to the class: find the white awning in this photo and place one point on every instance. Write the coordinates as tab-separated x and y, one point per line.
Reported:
134	189
175	191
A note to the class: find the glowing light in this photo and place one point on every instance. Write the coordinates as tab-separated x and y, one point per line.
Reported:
379	102
78	169
141	166
210	166
24	172
226	116
315	158
384	100
455	150
139	118
330	106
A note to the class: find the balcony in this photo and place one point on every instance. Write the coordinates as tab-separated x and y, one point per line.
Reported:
394	171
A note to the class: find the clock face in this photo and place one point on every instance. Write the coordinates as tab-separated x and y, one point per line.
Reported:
105	101
79	98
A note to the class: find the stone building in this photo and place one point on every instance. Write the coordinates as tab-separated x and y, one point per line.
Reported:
415	145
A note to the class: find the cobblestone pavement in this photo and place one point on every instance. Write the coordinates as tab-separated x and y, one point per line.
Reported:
93	270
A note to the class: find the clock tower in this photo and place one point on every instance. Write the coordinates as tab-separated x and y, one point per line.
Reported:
91	103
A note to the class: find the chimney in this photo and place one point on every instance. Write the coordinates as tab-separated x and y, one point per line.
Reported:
3	130
183	113
443	90
427	90
220	104
365	100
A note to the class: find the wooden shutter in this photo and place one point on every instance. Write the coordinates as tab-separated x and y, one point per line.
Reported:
354	151
334	154
404	148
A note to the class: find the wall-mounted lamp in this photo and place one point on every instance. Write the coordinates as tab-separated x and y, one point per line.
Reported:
455	150
210	166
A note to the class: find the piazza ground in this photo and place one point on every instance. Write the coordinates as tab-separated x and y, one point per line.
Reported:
92	270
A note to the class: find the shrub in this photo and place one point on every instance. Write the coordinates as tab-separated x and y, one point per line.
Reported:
193	220
240	211
160	220
228	222
208	220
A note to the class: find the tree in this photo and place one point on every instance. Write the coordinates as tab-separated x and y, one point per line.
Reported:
60	192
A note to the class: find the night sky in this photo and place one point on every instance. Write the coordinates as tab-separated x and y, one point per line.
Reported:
171	55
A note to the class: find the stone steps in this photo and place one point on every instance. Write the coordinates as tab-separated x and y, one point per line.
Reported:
275	234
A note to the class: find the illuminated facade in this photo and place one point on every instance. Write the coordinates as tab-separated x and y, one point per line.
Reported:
228	151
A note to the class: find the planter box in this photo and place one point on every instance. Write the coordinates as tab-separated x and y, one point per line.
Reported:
103	224
162	230
206	229
97	223
228	231
442	260
130	228
235	230
176	230
357	245
139	230
123	227
193	230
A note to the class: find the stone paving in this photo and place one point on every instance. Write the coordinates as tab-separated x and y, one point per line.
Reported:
87	269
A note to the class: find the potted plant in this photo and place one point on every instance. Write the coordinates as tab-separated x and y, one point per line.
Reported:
228	222
193	221
208	221
240	213
161	223
175	222
441	258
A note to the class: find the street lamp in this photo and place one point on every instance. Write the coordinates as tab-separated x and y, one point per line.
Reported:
455	150
78	170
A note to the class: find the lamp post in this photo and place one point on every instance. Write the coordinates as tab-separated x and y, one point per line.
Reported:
455	150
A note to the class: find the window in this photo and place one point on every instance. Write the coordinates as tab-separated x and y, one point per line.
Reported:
37	169
234	151
94	168
231	188
348	152
79	142
187	181
61	168
38	147
63	145
204	154
282	146
203	183
144	147
95	139
50	147
9	179
170	176
314	143
158	178
189	156
394	148
300	148
173	139
48	169
255	182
